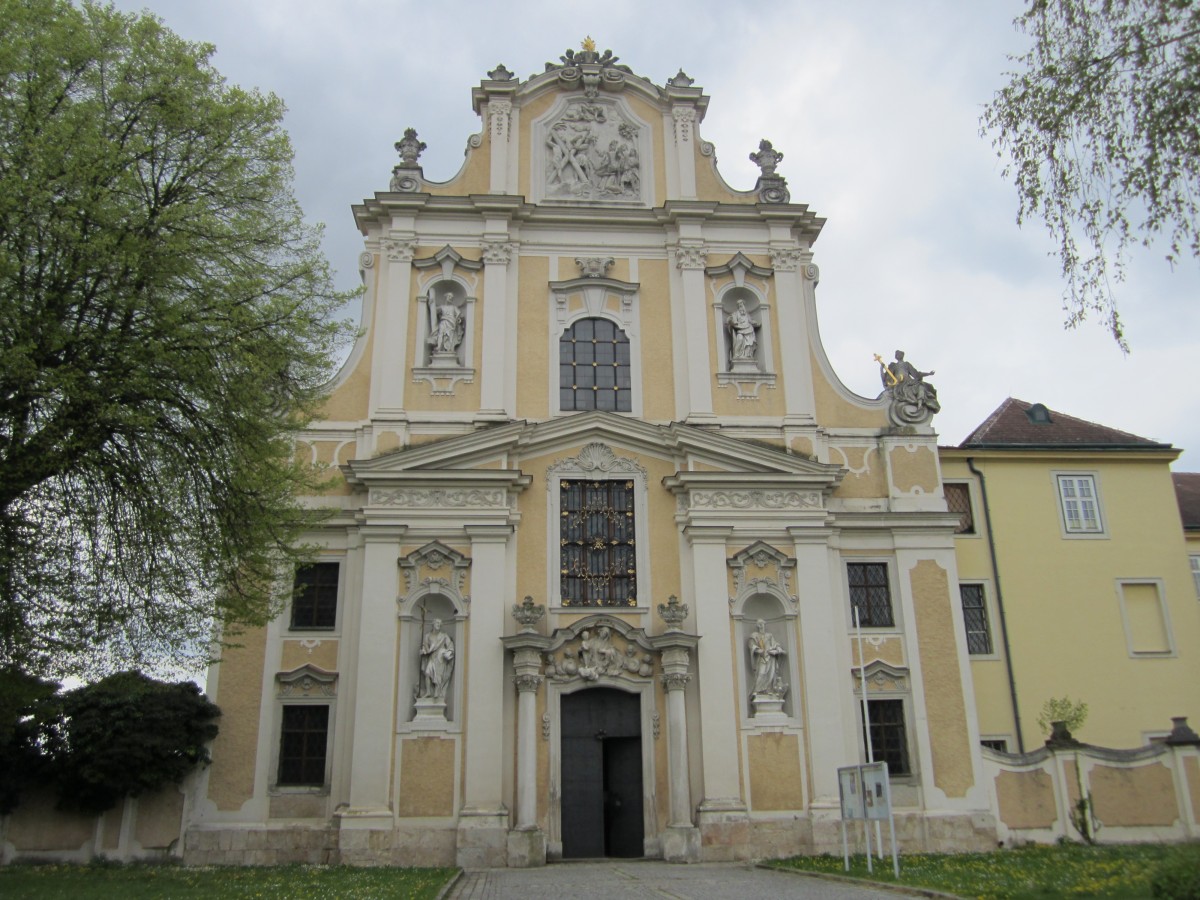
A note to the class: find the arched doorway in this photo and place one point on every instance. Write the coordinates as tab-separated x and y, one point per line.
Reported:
601	774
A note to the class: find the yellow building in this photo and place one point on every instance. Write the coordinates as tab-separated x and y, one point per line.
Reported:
1073	575
603	518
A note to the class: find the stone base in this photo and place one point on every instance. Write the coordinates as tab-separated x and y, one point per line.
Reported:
365	838
681	844
482	839
239	846
725	834
526	849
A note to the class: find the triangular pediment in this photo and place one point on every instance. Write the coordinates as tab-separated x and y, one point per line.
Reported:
495	454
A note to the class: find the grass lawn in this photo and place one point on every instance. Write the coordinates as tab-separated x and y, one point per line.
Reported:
1070	870
134	882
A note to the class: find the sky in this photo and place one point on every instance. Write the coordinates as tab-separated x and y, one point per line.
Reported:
875	106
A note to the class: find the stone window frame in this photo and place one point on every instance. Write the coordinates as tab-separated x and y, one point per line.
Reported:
595	294
1164	611
1059	478
888	683
597	462
333	630
306	686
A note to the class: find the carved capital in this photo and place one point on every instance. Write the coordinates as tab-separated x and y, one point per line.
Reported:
685	120
673	612
527	683
500	114
675	681
366	260
497	252
786	259
593	266
811	273
691	257
400	249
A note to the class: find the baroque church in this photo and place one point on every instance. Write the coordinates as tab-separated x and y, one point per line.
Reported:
603	523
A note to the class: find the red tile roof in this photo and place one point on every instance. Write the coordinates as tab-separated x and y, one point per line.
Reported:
1016	423
1187	492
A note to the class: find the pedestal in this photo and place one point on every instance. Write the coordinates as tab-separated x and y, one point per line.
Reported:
526	848
681	844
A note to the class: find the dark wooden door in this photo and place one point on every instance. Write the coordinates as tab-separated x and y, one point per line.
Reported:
601	774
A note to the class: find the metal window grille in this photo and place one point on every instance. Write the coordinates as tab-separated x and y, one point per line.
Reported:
998	744
302	743
314	599
979	635
958	500
889	741
593	369
597	549
869	594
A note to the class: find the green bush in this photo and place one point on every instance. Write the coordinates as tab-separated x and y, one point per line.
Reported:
1178	876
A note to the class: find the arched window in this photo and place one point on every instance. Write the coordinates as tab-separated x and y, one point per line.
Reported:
594	367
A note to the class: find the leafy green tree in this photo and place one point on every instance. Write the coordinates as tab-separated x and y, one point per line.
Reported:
1072	713
127	735
30	733
166	320
1101	127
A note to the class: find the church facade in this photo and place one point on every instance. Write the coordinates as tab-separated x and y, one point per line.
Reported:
603	523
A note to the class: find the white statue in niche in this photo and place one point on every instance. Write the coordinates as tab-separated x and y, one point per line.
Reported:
743	338
446	330
437	664
769	687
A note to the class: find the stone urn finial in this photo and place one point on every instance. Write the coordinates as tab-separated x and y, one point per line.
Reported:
528	614
410	148
673	613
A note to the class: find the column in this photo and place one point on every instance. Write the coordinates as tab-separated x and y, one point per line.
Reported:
483	819
681	841
527	843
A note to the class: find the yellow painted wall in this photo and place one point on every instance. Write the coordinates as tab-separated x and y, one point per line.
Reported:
239	694
1061	599
658	362
533	329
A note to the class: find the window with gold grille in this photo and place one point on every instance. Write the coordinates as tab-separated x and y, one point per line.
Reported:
598	555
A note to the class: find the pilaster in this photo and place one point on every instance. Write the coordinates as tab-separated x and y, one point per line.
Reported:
498	255
796	362
389	368
483	819
691	256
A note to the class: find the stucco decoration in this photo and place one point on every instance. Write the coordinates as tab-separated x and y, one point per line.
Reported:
771	188
761	569
406	175
673	613
755	499
881	676
419	498
528	614
593	151
912	400
599	648
442	567
590	69
306	681
596	460
593	266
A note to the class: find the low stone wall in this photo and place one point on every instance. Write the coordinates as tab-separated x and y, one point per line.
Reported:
1079	792
141	828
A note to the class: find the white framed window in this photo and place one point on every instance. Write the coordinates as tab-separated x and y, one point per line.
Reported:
1145	617
1079	504
1195	561
301	760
